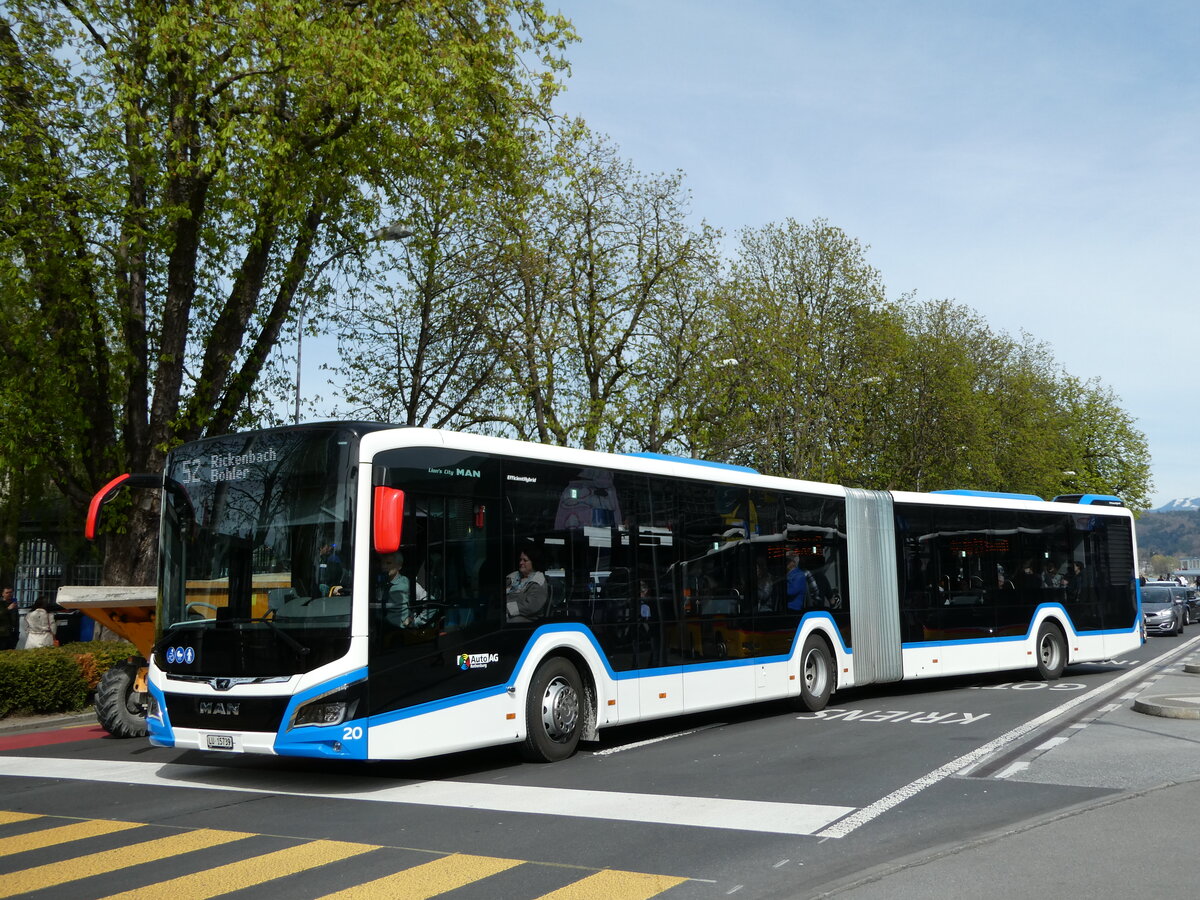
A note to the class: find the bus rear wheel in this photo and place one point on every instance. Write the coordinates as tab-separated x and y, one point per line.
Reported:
816	675
1051	652
553	712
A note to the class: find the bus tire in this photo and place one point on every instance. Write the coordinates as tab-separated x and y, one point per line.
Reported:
1051	652
118	706
553	712
816	675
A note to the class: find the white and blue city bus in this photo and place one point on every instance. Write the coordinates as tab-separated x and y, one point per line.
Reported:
339	591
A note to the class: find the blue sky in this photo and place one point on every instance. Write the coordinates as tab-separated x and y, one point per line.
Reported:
1036	161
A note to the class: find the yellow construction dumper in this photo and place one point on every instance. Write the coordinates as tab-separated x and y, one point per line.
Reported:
128	612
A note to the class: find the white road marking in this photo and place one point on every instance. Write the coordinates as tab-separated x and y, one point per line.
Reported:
666	737
1012	770
1050	744
663	809
867	813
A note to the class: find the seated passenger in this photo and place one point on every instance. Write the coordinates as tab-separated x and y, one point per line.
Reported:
404	599
526	591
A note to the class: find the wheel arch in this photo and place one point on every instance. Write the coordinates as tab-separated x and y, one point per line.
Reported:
589	680
1058	617
838	654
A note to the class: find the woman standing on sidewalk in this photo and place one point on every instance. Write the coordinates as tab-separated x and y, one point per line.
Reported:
40	625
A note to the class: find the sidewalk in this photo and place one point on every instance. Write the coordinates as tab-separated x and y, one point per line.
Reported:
1134	844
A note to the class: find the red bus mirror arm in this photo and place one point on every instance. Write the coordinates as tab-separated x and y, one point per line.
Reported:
109	491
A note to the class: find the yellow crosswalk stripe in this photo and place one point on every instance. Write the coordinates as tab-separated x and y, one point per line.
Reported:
610	883
8	818
415	883
428	879
247	872
53	874
48	837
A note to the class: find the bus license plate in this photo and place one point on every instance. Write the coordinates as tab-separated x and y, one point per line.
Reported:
220	742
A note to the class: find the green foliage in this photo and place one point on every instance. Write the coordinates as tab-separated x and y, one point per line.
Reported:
803	321
174	179
561	304
182	186
55	679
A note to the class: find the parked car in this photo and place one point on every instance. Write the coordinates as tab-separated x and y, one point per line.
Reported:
1164	607
1193	604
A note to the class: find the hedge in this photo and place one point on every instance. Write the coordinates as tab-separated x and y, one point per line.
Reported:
56	679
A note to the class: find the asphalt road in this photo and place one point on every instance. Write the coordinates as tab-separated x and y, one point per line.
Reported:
758	802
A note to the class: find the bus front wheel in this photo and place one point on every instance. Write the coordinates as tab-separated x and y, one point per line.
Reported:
816	674
553	712
1051	652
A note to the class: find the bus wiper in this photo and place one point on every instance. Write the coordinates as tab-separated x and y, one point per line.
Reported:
287	638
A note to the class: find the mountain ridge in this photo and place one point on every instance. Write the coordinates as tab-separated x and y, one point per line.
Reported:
1182	505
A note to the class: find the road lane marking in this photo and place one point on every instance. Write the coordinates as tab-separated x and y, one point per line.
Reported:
866	814
53	874
247	873
1052	743
428	879
1010	770
50	837
767	816
646	743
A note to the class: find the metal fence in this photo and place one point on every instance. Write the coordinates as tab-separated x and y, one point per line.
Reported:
40	570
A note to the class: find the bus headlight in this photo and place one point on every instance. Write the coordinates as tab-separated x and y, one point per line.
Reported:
332	708
152	709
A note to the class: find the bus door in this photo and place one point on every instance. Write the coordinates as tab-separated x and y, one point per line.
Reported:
437	601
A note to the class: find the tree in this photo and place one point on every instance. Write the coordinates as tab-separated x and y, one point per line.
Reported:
416	344
803	317
1106	454
1163	566
169	174
588	264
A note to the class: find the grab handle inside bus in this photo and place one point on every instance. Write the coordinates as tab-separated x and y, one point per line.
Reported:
389	518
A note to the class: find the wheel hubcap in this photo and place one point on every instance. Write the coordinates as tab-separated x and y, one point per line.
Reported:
560	710
814	673
1049	653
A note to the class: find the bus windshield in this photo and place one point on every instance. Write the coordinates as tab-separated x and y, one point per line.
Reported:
256	550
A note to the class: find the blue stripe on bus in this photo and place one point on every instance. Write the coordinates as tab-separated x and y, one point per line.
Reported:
322	741
1008	638
994	495
159	731
634	674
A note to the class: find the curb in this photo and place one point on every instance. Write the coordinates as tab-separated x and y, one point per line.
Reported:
1182	703
1183	707
25	724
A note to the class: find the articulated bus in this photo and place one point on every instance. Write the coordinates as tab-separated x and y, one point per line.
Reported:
340	590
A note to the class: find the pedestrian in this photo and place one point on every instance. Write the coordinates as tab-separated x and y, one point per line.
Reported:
40	625
10	626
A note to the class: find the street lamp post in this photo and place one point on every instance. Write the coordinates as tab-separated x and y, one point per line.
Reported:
394	232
